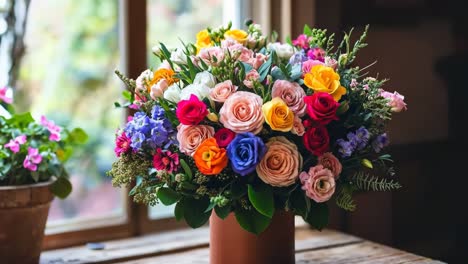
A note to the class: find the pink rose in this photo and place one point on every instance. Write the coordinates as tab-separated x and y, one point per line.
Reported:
281	164
298	127
307	65
242	112
191	111
329	161
158	89
396	101
212	55
250	78
190	137
292	94
258	60
222	91
318	183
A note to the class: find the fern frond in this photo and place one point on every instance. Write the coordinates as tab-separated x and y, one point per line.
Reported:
130	83
344	199
367	182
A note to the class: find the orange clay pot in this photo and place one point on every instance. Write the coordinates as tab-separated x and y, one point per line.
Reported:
231	244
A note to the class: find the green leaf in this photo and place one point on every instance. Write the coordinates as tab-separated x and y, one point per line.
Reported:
307	30
288	40
261	197
139	180
127	95
179	210
21	120
265	68
64	154
35	176
194	211
298	201
167	196
210	207
223	212
238	190
61	187
188	171
318	215
252	221
78	136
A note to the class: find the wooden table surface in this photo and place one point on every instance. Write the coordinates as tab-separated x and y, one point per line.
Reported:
191	246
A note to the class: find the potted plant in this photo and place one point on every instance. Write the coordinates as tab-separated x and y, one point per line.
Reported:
248	132
32	158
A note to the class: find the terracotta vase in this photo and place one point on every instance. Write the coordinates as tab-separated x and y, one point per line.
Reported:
230	244
23	216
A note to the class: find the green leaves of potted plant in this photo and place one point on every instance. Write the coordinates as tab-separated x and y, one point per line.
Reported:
32	158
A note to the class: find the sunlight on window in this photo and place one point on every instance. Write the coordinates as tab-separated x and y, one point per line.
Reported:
67	74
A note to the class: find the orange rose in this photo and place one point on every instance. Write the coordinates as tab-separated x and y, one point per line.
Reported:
163	73
324	79
210	158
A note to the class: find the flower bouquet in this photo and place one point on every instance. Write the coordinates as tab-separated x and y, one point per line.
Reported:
240	123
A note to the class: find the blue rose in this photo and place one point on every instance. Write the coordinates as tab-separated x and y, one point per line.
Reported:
245	151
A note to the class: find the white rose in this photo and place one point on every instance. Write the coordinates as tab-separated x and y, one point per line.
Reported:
172	93
284	51
199	90
178	56
205	78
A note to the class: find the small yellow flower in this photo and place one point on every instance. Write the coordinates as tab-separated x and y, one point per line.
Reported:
237	34
324	79
203	40
278	115
163	73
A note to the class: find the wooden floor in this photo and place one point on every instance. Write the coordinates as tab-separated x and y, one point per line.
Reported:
191	246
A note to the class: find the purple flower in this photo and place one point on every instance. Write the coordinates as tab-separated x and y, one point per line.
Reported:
157	112
14	144
346	149
158	134
363	136
380	142
52	127
298	58
32	159
137	139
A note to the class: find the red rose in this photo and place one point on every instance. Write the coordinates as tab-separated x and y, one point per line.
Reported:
224	136
316	140
192	111
321	107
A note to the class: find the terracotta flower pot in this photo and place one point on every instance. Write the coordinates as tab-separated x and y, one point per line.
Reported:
23	216
230	244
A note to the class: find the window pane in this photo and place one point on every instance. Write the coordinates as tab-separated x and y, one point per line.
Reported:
67	74
169	21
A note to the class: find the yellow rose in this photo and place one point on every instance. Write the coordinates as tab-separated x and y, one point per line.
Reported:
278	115
237	35
203	40
324	79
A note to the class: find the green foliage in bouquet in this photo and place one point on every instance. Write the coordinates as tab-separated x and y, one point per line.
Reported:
239	123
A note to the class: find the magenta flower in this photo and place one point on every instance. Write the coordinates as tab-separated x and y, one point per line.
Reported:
166	160
32	159
14	144
122	144
316	54
302	41
52	127
4	97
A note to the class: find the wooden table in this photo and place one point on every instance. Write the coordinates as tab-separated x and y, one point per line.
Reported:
191	246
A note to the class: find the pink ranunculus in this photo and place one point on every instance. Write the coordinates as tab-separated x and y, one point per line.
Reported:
302	41
298	128
396	101
329	161
307	65
191	111
14	144
158	89
224	136
292	94
318	183
165	160
258	60
250	78
32	159
316	54
4	97
190	137
122	144
222	91
212	55
242	112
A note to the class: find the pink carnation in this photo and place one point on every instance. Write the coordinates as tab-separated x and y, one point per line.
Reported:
318	183
212	55
258	60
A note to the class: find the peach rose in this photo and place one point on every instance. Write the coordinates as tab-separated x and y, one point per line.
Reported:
222	91
329	161
298	128
190	137
292	94
318	183
281	164
242	112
